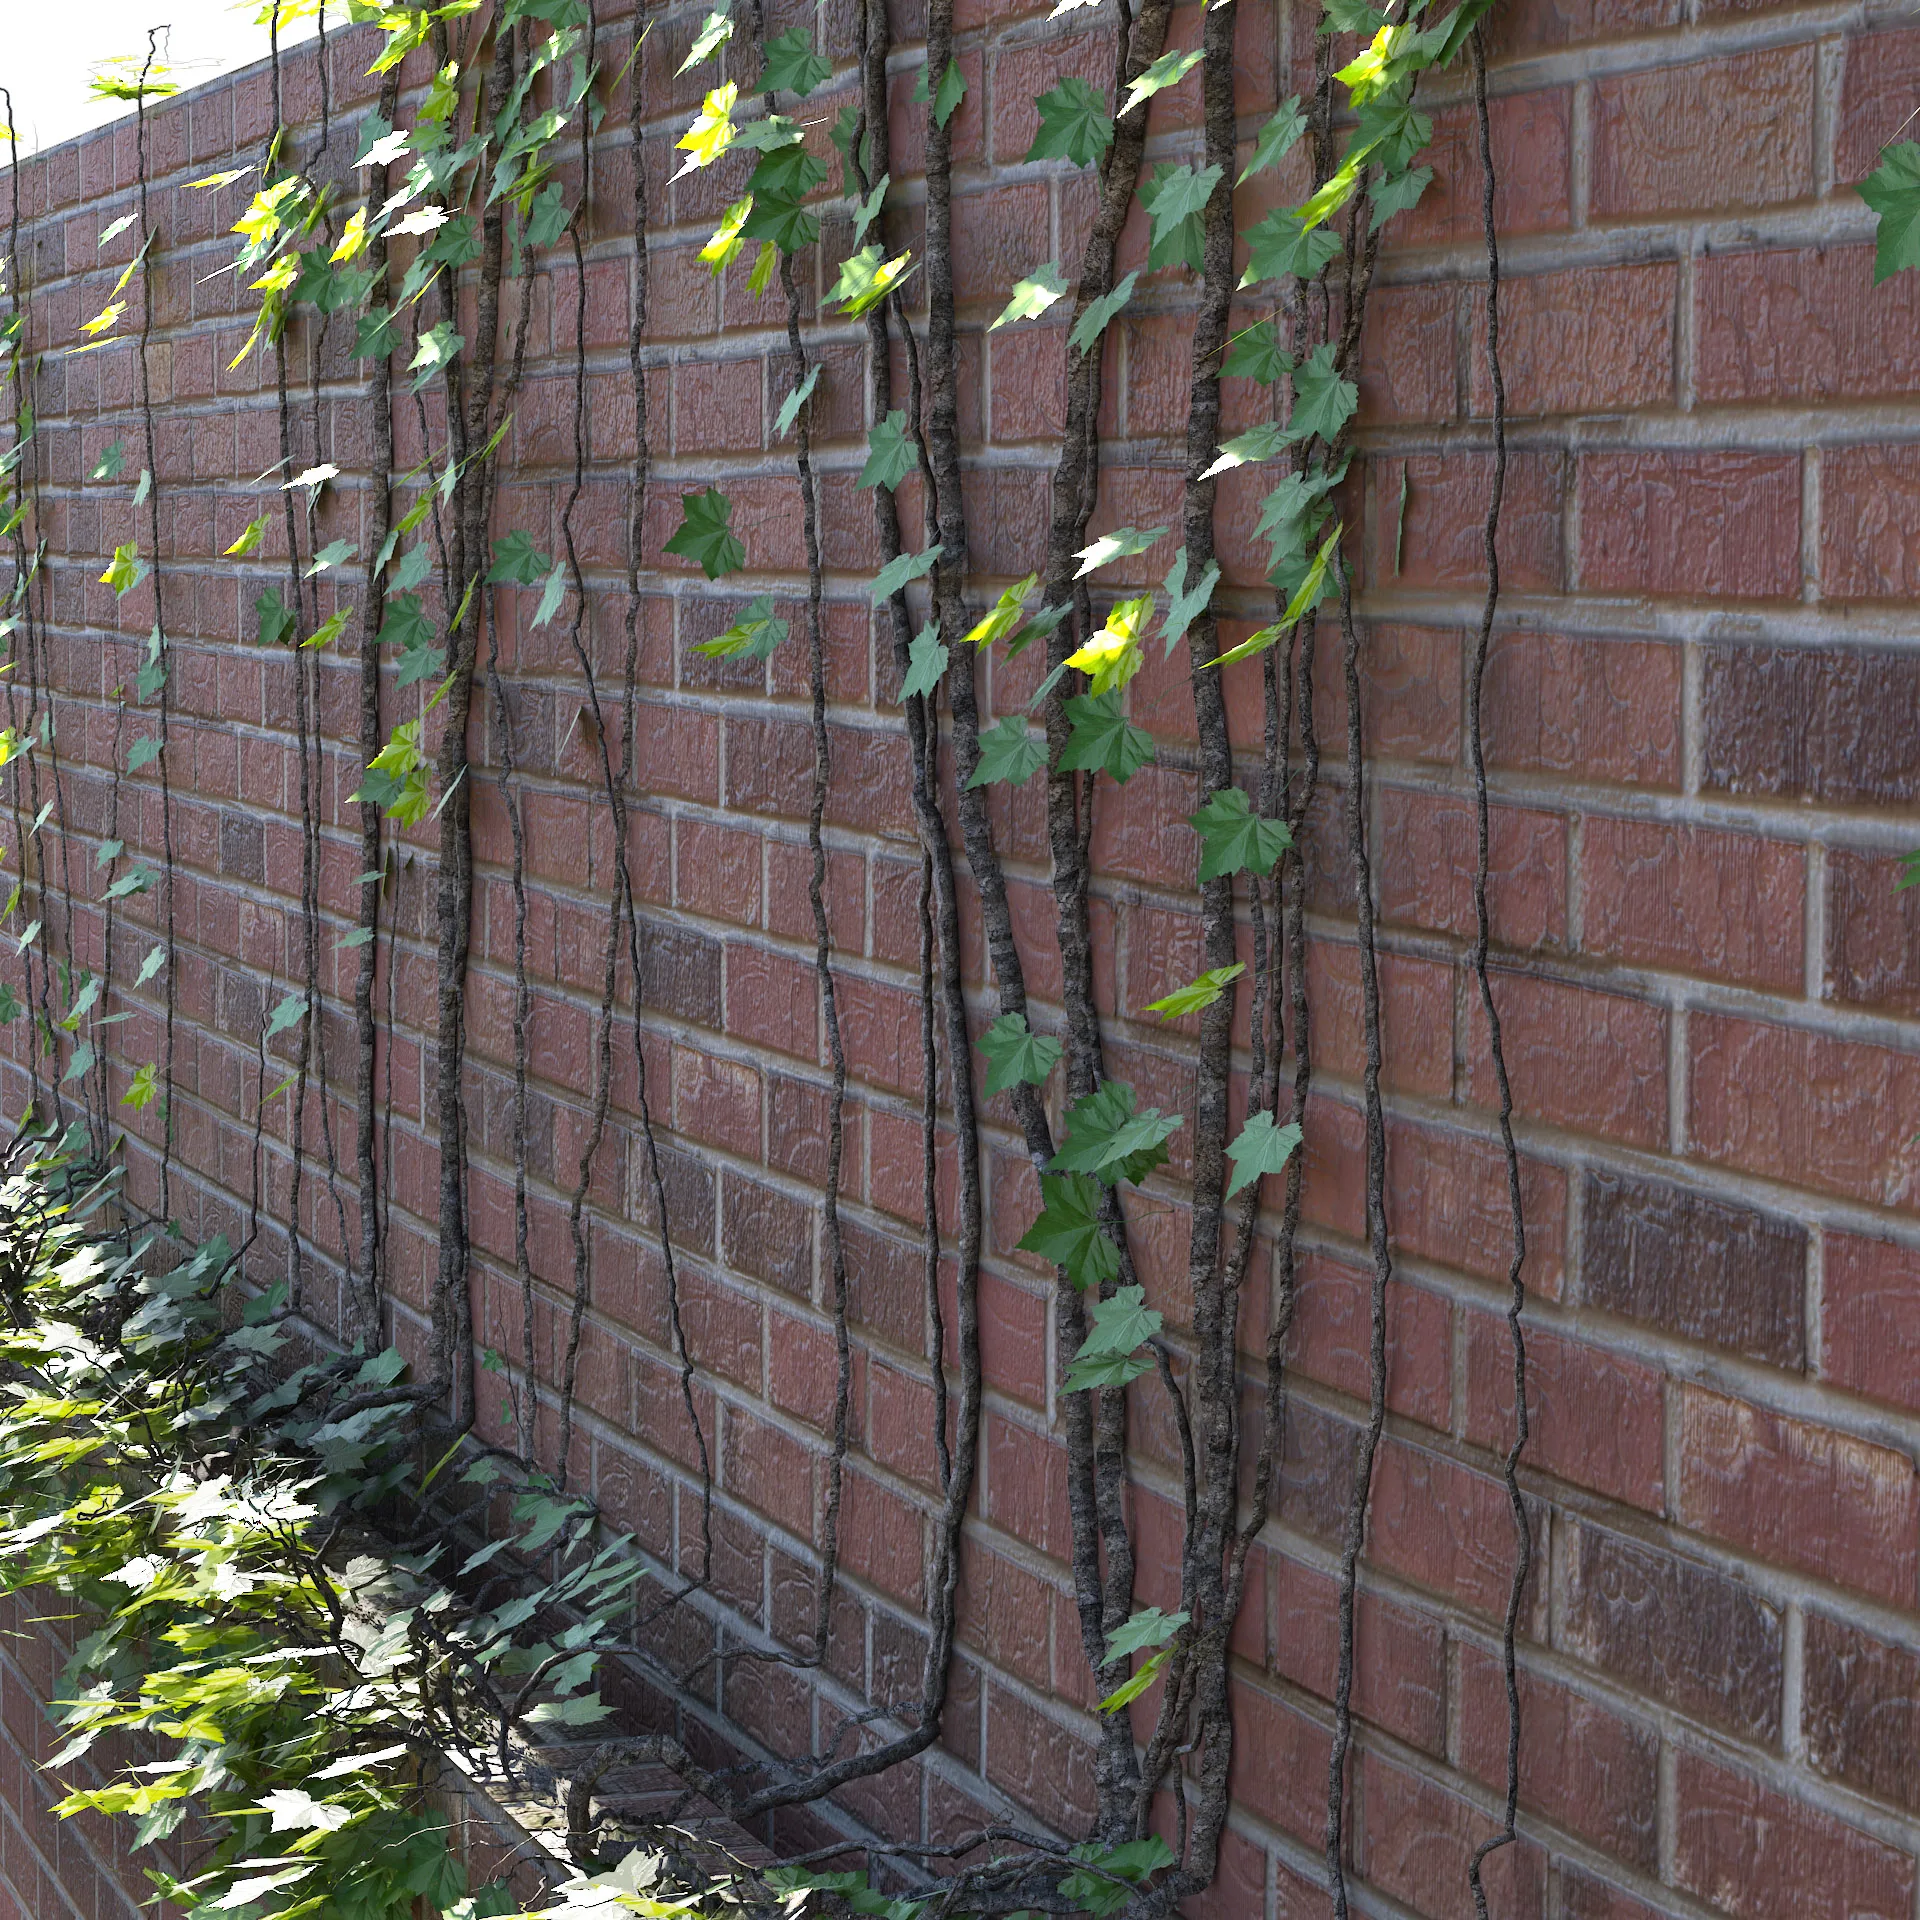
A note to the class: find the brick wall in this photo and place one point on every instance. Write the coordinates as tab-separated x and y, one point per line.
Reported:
1702	712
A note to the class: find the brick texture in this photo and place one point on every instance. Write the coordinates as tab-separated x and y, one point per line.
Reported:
1701	707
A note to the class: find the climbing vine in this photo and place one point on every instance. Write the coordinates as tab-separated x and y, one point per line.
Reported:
439	221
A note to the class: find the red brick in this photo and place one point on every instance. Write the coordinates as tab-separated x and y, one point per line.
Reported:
1722	525
1417	1839
1726	906
1749	1851
1873	933
1409	690
1585	1767
1860	1708
1593	1418
1869	1295
1407	355
1280	1759
1590	1062
1440	535
1867	502
1596	709
1803	1107
1716	133
1800	1495
1584	340
1877	92
1425	868
1802	324
1332	1321
1530	134
1449	1530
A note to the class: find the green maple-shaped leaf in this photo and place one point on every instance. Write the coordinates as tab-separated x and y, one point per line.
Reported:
1323	403
866	279
547	218
1257	354
781	222
1175	197
142	1089
1290	513
1892	190
126	570
330	556
289	1013
1390	131
1108	1138
373	335
276	622
1068	1231
891	453
1267	441
1276	137
1031	296
1004	615
1112	1353
1009	754
1099	314
867	211
798	398
330	629
418	664
1187	603
705	536
1016	1056
415	564
1198	994
406	626
715	31
1312	586
155	960
1398	193
1168	71
754	636
899	570
437	348
110	463
517	562
1121	544
926	662
793	66
1260	1148
551	594
1282	244
137	880
1074	124
143	753
1235	839
1103	739
948	95
1147	1628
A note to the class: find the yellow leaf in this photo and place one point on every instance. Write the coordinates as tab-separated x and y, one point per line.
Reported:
103	320
712	131
1113	656
353	241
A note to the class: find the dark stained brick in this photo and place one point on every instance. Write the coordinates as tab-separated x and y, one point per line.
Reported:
1705	1268
1835	726
1706	1645
1860	1709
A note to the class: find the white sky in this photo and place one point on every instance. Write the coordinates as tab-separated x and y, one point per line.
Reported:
49	50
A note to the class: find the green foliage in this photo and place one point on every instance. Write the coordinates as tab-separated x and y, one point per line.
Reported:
1323	402
1031	297
1121	544
396	778
1068	1231
126	570
1281	244
715	31
1009	754
1017	1056
793	66
1111	1355
891	453
866	279
926	662
1175	198
1107	1881
1235	839
900	570
1074	123
1276	138
1260	1147
948	95
1099	314
1199	993
1108	1137
1168	71
202	1501
754	636
517	561
1398	193
798	398
1256	354
1892	190
1187	603
705	534
1103	739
